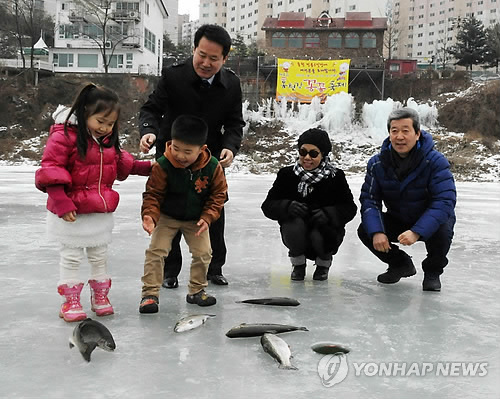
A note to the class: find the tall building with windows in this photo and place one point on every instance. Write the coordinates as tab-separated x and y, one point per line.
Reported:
133	37
246	17
189	28
172	21
425	29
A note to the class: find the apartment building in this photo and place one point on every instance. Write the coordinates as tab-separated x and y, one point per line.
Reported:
181	20
425	29
171	26
188	30
246	17
134	37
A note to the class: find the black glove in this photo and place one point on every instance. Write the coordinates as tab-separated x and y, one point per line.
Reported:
297	209
319	217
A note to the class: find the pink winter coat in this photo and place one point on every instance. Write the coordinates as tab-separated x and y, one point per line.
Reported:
83	185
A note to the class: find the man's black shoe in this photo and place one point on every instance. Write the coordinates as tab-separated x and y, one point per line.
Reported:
201	299
431	283
321	273
394	274
298	273
170	282
217	279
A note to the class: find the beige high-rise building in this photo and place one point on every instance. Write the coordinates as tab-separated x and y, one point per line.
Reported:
245	17
428	28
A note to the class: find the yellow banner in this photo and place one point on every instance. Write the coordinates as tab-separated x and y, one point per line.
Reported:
302	80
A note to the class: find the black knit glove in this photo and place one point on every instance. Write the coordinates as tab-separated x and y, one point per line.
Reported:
297	209
319	217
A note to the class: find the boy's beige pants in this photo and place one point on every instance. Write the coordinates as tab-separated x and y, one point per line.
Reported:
161	243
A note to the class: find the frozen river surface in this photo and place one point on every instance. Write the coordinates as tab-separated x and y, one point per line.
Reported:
405	343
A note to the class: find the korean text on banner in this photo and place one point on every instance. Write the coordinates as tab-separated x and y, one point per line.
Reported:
302	80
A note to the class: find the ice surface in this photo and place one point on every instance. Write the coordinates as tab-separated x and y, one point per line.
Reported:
398	323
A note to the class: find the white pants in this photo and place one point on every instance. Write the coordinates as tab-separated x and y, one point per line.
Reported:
71	258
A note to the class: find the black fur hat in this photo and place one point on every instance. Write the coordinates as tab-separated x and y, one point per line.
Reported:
317	137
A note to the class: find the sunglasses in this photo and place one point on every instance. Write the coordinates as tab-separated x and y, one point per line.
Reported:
312	153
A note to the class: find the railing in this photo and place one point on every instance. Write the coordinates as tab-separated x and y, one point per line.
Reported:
18	64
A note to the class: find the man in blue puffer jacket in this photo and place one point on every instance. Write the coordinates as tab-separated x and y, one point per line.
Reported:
415	184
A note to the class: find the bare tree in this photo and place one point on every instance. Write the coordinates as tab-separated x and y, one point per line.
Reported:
107	32
445	40
30	21
391	35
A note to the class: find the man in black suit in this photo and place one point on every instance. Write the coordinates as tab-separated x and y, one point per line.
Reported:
199	86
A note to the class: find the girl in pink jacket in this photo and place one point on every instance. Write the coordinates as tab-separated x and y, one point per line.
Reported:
80	163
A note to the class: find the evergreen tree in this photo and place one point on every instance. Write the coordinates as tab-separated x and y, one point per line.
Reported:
471	44
492	54
238	47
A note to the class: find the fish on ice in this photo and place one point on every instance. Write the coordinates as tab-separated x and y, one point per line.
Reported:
258	329
273	301
88	335
190	322
329	348
278	349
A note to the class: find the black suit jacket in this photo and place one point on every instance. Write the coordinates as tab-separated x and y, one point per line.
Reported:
180	91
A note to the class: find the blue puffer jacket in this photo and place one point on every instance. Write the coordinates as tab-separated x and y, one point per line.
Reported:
424	200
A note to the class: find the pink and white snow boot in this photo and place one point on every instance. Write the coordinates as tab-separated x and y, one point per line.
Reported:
71	309
99	297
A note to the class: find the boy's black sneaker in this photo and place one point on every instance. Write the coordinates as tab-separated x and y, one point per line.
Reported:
149	304
201	299
394	274
431	283
298	273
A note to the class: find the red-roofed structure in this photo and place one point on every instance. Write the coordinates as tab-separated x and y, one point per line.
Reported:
356	36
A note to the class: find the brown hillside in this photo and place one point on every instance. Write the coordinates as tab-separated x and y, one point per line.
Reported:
477	113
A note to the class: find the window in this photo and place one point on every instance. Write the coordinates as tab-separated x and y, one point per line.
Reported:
130	60
116	61
352	40
352	8
338	10
127	6
149	40
68	31
335	40
93	31
394	67
295	40
63	60
87	60
278	40
312	40
369	40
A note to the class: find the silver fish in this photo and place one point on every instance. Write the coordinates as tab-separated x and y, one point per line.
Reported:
329	348
278	349
89	334
274	301
255	330
189	322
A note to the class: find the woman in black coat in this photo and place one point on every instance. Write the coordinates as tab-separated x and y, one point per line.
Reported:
312	203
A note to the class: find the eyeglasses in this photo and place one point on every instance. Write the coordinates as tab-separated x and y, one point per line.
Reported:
312	153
